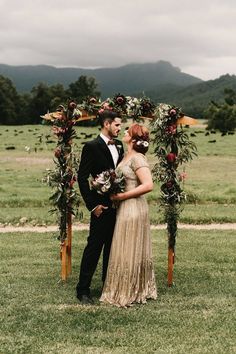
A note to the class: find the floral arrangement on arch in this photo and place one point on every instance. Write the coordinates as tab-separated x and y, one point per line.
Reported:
65	199
172	148
126	106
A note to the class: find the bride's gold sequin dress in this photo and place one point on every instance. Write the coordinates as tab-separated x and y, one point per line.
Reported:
130	275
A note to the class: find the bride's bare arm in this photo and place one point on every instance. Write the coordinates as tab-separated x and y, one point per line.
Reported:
146	185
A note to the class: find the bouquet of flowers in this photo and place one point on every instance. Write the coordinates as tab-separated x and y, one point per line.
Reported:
109	181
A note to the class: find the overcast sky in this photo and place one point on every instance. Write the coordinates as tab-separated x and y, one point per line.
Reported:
197	36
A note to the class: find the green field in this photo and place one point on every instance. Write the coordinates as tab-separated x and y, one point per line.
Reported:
210	183
40	314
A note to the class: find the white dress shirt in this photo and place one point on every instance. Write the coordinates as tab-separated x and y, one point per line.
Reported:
112	149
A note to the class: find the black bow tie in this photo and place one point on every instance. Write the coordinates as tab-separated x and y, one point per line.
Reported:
111	142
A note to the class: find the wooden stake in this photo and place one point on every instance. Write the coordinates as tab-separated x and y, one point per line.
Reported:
69	242
171	259
63	260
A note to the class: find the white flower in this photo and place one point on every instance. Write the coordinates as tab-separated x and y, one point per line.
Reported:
143	143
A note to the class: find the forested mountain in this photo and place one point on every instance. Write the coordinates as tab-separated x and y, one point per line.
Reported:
128	79
194	98
160	81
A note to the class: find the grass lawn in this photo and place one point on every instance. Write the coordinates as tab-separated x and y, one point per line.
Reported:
40	314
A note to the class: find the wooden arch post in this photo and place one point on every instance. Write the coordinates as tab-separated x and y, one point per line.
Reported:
172	148
65	198
66	251
66	245
171	261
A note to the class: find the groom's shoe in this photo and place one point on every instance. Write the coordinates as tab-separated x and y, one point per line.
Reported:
85	299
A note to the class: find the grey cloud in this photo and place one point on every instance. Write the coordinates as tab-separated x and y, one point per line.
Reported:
195	36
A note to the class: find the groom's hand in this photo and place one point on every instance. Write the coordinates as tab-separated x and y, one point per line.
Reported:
98	210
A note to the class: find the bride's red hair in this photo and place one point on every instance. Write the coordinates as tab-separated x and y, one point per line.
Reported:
140	137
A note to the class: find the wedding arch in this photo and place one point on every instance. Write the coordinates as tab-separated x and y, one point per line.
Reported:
172	147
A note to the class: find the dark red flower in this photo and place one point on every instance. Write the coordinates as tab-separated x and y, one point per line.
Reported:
57	152
171	157
70	123
171	129
147	105
169	184
72	105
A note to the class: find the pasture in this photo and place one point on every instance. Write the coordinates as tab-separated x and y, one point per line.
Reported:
40	314
27	151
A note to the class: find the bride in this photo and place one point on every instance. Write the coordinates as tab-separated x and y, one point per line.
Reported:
130	276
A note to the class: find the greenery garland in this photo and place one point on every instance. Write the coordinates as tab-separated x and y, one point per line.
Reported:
172	148
126	106
65	199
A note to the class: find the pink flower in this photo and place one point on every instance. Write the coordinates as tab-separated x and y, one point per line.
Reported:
120	100
182	176
172	112
72	181
59	131
106	106
72	105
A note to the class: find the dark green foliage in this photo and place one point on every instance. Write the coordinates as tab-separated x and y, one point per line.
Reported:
160	81
65	199
223	116
9	101
83	88
26	108
43	99
194	98
172	148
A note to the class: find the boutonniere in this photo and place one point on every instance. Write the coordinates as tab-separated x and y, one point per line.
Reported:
118	146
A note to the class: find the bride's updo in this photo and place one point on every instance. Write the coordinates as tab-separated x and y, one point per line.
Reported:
140	138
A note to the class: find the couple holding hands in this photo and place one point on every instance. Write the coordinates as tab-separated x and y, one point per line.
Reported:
123	234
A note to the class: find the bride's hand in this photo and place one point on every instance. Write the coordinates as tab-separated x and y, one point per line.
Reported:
118	196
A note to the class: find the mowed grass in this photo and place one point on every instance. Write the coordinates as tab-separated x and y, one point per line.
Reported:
40	314
210	183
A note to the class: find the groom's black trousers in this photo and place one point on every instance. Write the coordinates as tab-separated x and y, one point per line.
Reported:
100	237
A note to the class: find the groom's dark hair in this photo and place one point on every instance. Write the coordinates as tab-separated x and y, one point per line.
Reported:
107	115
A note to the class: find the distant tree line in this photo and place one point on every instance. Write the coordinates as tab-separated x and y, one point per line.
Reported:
222	116
17	109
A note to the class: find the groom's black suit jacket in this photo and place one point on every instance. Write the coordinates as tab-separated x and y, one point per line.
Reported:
95	158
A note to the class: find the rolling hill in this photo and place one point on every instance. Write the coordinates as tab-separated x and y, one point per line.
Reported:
161	81
128	79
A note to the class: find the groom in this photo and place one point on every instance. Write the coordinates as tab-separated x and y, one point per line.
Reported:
98	155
